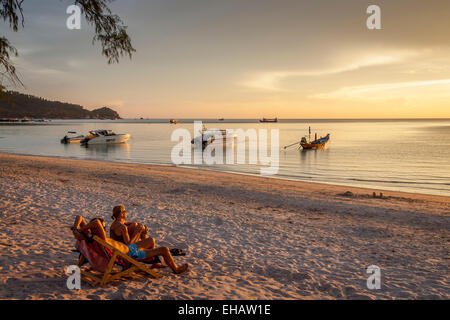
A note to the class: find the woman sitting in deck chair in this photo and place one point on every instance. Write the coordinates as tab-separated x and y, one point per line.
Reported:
141	250
125	231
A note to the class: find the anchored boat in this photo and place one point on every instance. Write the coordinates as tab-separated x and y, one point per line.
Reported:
316	144
105	137
71	138
306	143
209	136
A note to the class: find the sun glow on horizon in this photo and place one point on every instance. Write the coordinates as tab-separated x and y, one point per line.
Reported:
248	60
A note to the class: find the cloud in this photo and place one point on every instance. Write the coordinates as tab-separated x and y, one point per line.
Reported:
389	90
26	65
272	80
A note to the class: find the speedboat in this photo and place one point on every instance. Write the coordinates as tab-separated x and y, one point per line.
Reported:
71	138
209	136
104	137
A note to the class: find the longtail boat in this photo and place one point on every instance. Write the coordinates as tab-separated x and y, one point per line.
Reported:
306	142
316	144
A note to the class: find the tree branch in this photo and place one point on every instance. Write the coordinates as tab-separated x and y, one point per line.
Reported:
10	10
9	71
109	29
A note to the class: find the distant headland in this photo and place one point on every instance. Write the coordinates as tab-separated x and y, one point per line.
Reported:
16	106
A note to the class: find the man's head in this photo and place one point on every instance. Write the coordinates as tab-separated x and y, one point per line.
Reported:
119	212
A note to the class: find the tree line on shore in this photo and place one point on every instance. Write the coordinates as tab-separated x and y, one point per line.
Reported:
18	106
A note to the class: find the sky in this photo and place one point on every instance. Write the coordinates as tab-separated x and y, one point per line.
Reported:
246	59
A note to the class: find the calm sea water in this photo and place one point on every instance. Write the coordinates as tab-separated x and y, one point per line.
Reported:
401	155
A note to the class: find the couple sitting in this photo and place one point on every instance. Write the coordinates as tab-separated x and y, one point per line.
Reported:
129	238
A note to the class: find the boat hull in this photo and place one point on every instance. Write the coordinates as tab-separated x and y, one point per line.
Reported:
214	136
67	140
313	146
119	138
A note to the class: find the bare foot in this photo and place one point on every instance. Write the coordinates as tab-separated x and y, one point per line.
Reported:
182	269
158	265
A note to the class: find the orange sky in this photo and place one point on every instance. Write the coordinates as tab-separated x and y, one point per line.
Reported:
248	59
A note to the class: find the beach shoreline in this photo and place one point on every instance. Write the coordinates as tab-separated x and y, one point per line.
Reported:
247	237
347	187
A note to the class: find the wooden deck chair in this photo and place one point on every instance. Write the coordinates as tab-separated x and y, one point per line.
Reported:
116	258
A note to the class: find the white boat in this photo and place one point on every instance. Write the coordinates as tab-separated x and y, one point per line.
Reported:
209	136
71	137
105	137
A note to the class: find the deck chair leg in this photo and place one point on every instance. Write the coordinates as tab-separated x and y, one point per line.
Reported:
90	278
108	270
107	276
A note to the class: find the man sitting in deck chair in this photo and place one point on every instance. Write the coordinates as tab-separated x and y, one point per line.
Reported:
140	250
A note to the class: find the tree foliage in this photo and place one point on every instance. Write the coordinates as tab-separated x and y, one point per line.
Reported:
109	31
9	71
28	106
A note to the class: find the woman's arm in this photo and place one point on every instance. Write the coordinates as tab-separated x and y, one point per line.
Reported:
134	226
126	236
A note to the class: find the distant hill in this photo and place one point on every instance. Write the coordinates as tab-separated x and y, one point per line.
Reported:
19	105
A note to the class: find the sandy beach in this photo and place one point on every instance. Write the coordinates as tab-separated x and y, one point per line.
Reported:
246	237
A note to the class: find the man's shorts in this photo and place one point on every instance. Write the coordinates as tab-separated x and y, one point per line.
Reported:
134	252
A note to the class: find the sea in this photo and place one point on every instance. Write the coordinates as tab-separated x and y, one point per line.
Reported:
390	154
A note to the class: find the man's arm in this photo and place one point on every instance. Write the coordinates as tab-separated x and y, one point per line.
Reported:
96	228
79	222
78	235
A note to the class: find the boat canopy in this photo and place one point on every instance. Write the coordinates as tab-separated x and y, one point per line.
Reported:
102	132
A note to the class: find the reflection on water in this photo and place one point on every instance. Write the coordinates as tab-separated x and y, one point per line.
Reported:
108	151
395	155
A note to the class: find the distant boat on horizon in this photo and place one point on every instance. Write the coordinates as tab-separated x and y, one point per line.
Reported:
268	120
173	121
